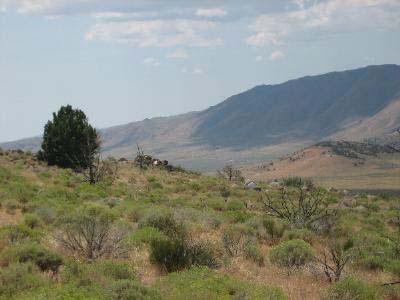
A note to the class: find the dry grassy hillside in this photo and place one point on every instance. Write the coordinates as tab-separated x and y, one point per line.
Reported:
367	172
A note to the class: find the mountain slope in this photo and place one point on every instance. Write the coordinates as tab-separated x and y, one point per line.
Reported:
266	121
310	107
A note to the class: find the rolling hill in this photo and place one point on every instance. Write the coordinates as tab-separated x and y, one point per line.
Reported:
342	164
266	121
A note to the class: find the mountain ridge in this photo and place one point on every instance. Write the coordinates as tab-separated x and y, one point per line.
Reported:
246	126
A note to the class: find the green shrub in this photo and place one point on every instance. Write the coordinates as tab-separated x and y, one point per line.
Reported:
19	233
299	234
177	254
203	283
372	262
351	289
146	235
295	253
202	254
116	271
253	253
127	290
17	278
170	254
239	216
32	220
41	257
165	222
275	228
46	214
235	205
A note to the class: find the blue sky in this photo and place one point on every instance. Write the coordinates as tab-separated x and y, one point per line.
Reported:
126	60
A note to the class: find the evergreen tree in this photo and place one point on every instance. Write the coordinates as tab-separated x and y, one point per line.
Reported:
69	141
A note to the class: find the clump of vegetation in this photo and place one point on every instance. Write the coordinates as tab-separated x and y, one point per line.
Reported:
300	234
349	289
30	252
295	253
202	283
18	278
253	253
178	250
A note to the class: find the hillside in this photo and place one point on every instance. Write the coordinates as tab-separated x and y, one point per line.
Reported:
237	248
344	165
267	121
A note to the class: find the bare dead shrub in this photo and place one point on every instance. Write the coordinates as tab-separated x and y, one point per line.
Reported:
92	234
334	257
301	207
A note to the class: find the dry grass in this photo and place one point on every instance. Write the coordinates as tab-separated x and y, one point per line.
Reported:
330	170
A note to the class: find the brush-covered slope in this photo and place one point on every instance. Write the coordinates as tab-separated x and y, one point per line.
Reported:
348	165
267	120
154	213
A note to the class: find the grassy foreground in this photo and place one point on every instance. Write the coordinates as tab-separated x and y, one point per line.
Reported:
183	236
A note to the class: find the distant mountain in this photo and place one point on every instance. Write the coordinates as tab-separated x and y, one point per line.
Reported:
307	108
266	121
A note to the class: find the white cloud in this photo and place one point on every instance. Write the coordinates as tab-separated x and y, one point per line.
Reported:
151	61
276	55
259	58
35	6
198	71
211	12
178	54
325	18
157	33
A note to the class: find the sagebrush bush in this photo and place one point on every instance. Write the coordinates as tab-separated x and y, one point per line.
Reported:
32	220
127	290
235	239
202	254
275	228
17	278
45	259
177	254
166	222
253	253
14	234
145	235
351	289
46	214
294	253
299	234
172	255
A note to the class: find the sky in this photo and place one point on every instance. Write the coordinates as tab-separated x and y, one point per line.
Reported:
127	60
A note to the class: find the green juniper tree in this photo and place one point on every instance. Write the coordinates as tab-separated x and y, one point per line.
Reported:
69	141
